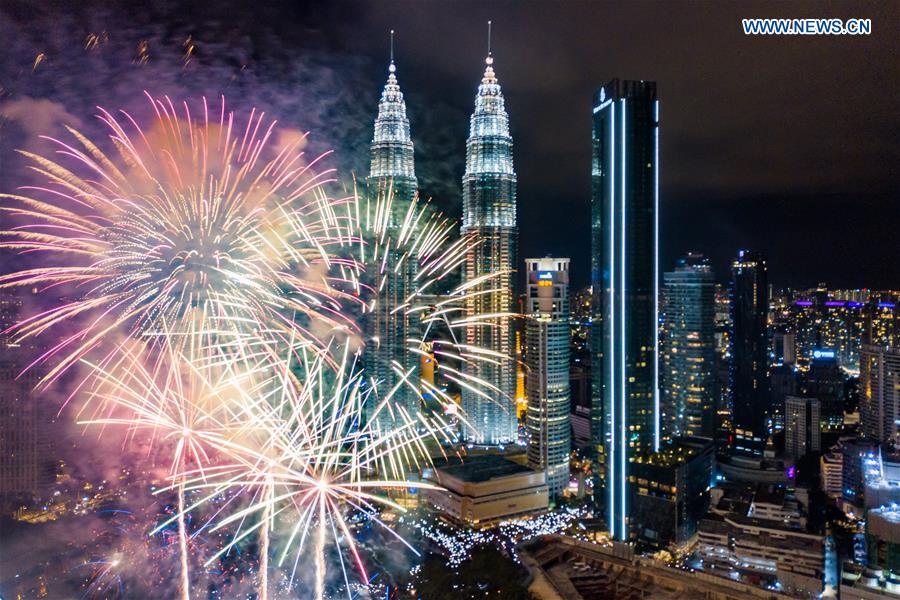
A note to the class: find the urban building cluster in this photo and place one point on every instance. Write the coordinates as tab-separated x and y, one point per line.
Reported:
692	416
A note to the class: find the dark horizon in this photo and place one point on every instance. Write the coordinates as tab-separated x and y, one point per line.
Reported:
785	145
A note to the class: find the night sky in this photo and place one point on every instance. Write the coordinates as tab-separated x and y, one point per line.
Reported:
786	144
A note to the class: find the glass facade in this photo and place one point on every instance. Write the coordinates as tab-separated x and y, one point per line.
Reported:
749	366
489	216
391	187
624	266
688	358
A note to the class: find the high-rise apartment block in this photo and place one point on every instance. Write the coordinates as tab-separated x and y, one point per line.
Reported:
802	433
547	336
879	392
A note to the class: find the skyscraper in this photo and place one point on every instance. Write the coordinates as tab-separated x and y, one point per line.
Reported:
624	263
749	352
688	394
489	215
825	380
879	397
547	377
392	182
802	433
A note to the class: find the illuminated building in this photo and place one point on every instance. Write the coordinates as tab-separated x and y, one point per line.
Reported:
688	360
427	365
723	320
879	382
489	215
670	491
802	433
482	490
392	177
748	380
759	536
580	352
837	320
783	382
624	278
547	377
880	576
825	380
831	468
859	455
521	396
785	353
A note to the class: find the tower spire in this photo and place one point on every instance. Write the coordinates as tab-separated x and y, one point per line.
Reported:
489	215
392	46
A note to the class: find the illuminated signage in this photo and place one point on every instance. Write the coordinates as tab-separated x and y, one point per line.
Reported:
545	275
823	354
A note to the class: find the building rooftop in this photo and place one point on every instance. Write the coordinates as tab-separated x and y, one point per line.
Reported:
477	469
769	494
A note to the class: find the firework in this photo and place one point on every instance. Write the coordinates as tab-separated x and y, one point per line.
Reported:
405	257
217	292
205	222
298	436
315	464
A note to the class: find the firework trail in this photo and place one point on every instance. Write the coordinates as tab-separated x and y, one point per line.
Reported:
300	435
179	402
204	218
308	462
223	288
406	247
104	581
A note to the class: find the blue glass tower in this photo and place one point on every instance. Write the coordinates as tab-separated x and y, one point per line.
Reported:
489	214
688	359
391	189
749	346
624	266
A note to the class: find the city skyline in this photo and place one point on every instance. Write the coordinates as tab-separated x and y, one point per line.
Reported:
449	299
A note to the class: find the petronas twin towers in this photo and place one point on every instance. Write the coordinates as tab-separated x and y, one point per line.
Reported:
489	216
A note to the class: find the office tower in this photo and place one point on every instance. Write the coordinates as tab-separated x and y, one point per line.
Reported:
392	181
688	360
547	376
489	216
801	426
783	382
879	398
749	353
624	234
670	491
783	343
825	381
